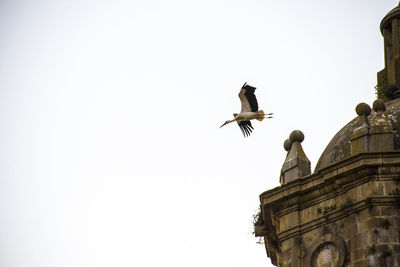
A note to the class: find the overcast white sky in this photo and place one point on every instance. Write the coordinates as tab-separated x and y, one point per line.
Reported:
111	151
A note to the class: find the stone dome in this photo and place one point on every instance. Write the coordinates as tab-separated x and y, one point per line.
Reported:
339	147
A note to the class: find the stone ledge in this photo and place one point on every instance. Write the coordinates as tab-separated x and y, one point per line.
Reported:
338	215
319	179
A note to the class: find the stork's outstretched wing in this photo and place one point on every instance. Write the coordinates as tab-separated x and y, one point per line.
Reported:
248	99
246	127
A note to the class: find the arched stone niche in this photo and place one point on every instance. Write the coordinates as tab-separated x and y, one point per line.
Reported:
328	251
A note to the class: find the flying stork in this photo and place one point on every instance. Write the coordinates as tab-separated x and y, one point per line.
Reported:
249	110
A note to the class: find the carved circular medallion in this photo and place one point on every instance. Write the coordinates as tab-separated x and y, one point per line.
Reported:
327	255
327	251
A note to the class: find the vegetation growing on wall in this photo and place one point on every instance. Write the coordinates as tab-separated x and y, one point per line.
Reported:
381	92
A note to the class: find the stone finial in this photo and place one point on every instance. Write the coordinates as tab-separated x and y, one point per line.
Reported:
373	131
359	137
296	164
379	105
379	118
381	129
287	144
363	109
296	136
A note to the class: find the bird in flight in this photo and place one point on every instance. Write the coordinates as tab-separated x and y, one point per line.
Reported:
249	110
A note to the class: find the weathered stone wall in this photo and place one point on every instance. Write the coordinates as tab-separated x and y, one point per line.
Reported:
349	212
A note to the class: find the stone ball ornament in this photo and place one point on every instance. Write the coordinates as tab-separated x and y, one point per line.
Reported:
363	109
296	136
379	105
287	144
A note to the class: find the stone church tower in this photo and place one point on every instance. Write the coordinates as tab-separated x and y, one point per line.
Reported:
346	212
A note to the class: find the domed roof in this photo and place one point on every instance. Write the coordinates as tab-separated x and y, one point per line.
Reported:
339	147
395	12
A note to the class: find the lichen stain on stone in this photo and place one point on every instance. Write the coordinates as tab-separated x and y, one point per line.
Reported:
392	118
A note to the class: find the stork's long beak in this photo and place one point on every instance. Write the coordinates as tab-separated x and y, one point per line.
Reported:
225	123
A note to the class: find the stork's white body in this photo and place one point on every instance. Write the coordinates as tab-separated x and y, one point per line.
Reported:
245	116
249	110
